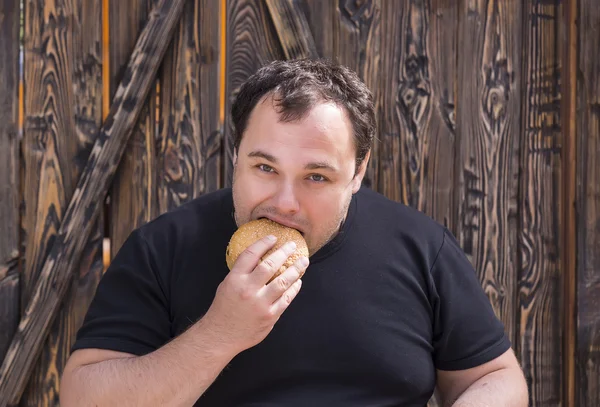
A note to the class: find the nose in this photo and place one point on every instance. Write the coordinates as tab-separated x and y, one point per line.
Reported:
286	200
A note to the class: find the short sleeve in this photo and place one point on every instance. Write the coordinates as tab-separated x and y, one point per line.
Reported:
467	333
129	312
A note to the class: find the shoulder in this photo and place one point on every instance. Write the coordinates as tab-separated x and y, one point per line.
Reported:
203	217
399	221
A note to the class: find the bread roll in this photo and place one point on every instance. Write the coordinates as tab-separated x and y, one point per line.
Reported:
251	232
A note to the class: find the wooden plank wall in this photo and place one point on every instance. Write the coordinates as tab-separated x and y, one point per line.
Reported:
588	205
479	127
538	307
9	172
62	111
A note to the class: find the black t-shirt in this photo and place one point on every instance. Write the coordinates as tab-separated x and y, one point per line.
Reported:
391	298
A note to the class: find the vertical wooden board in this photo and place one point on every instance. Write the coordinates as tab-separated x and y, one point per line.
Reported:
9	311
133	198
9	172
251	43
417	146
9	143
588	204
539	337
320	16
63	101
356	44
189	159
487	122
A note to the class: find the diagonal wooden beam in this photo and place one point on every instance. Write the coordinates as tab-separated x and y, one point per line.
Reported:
87	200
292	29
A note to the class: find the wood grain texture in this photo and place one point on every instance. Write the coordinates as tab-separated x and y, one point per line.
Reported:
292	28
85	207
9	173
487	122
588	206
9	310
189	156
251	43
417	145
9	132
539	337
357	36
62	113
133	198
320	16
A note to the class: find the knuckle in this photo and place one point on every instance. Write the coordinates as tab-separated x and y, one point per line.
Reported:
287	298
249	252
245	293
282	282
268	264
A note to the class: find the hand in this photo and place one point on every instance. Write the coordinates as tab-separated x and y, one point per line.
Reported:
245	307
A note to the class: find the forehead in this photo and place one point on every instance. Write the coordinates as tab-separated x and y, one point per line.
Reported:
324	127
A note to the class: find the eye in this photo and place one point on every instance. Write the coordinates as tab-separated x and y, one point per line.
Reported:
265	168
317	178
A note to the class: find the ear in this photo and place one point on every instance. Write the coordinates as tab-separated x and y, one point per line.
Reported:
234	156
357	181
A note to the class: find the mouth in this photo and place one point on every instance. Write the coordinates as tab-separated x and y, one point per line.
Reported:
284	223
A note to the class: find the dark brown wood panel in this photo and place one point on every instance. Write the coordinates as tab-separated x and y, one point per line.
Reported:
9	132
133	197
356	44
251	43
417	145
9	310
588	206
488	125
320	16
292	29
538	343
63	103
189	161
9	172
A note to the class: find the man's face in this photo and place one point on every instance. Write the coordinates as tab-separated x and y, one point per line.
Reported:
300	174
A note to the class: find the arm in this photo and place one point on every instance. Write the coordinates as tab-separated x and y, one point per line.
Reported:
243	312
169	376
499	382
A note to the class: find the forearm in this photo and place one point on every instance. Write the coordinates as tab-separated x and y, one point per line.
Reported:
175	375
505	387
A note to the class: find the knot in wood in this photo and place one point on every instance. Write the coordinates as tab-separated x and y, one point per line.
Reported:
172	164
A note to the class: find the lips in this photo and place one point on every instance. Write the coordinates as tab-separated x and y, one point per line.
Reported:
284	223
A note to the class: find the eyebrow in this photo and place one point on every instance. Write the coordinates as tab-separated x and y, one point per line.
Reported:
317	165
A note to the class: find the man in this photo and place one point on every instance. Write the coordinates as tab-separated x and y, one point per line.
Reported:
388	310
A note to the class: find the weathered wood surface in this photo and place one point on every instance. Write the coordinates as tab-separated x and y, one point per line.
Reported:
356	44
588	205
488	125
416	151
85	207
251	43
9	310
62	113
133	197
9	172
292	28
539	342
189	154
9	143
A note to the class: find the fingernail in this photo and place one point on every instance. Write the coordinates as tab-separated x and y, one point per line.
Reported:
290	246
271	238
303	261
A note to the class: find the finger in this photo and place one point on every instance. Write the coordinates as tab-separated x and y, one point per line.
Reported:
286	299
249	258
276	288
270	265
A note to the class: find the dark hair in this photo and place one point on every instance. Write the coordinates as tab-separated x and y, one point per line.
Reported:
300	84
